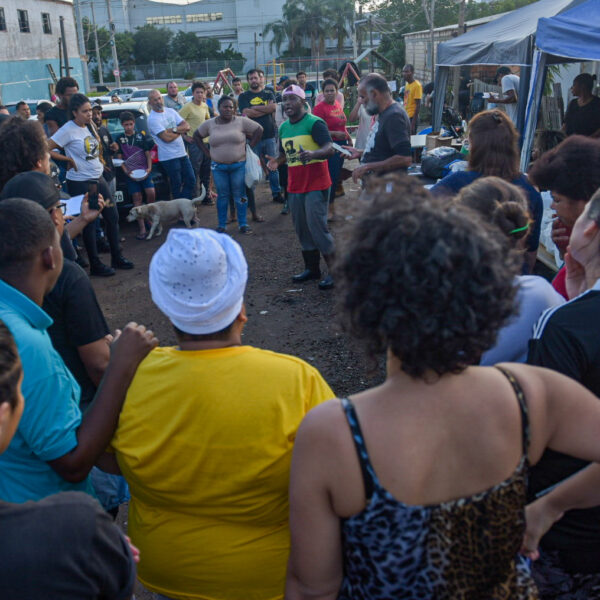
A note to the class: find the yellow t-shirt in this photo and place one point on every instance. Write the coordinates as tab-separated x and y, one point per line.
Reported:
205	440
412	92
194	115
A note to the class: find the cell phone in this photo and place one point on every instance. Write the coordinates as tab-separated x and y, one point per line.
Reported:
341	150
93	195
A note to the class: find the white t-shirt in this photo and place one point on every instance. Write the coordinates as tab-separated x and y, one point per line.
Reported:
534	296
80	145
511	82
165	121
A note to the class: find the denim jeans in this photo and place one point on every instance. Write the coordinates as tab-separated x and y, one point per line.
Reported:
334	164
262	149
181	176
229	179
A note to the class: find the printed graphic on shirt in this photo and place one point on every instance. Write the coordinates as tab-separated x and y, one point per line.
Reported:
258	101
370	144
294	145
90	145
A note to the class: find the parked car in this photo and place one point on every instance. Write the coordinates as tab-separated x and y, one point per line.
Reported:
140	95
110	118
123	92
12	106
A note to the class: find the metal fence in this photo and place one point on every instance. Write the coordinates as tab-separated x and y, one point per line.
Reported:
204	69
208	69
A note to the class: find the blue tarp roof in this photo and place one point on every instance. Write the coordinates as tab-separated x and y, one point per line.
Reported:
573	34
507	40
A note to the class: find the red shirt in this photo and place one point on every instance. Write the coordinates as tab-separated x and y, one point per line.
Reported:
333	115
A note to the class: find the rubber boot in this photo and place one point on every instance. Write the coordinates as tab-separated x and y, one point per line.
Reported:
312	270
327	282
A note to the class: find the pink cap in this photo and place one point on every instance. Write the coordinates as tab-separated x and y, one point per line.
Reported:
296	90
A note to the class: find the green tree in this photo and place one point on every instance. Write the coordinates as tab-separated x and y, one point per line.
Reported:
185	46
151	44
125	44
230	54
103	41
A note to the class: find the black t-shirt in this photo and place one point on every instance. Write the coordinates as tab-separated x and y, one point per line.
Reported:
78	320
583	120
249	99
310	93
566	341
63	547
59	115
106	140
389	136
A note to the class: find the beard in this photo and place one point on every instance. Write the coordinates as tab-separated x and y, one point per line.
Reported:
371	108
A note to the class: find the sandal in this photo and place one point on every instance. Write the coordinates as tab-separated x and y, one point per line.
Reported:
141	236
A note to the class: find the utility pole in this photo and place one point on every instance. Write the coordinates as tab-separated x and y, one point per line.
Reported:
60	60
360	20
429	10
64	46
82	53
255	51
456	74
98	61
112	44
371	43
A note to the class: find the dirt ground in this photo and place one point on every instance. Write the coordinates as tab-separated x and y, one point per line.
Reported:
297	319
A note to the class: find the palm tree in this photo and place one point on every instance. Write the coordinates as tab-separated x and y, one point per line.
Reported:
286	28
315	20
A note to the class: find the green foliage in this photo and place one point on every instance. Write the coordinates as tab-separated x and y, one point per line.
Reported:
313	20
151	44
125	44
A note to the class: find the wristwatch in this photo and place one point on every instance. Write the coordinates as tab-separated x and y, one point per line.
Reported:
174	130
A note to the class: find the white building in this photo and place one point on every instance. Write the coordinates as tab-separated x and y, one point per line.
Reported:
236	22
29	36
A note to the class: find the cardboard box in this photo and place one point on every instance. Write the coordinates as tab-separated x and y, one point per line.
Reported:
443	141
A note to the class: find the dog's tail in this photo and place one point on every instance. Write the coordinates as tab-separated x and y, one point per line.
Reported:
201	197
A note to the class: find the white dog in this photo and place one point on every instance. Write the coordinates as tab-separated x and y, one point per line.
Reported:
168	211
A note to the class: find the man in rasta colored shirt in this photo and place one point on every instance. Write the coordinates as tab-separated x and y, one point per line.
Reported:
305	144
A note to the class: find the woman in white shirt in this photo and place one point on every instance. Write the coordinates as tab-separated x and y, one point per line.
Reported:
79	140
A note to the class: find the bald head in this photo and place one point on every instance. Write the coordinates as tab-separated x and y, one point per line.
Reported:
155	100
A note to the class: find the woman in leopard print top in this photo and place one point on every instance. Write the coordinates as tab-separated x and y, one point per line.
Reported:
415	489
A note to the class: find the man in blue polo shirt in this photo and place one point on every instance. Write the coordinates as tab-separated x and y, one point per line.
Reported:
54	448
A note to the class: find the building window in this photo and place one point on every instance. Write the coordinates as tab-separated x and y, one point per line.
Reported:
168	20
204	17
46	26
23	21
2	20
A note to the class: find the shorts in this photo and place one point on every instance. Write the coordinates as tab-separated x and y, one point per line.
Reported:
133	187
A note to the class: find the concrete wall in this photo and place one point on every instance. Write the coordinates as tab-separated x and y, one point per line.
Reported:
23	56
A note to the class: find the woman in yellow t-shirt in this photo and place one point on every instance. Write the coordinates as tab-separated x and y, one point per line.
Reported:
206	434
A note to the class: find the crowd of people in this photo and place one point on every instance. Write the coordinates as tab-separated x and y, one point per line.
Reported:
464	475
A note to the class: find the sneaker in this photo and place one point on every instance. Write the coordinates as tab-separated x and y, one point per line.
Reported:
245	230
278	198
221	230
285	210
101	270
121	263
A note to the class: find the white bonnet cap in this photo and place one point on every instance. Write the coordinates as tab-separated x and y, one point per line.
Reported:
198	278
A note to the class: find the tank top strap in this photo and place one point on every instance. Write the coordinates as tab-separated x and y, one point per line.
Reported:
370	480
522	405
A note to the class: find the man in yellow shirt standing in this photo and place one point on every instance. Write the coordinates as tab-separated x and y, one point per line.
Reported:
413	92
206	434
195	113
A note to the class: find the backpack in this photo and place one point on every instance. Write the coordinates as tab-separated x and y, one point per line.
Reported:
437	162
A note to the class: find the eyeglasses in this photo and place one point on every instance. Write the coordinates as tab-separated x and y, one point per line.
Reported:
62	206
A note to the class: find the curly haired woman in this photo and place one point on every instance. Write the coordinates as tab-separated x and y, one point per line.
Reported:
416	488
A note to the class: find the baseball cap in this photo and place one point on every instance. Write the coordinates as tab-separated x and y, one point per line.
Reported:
296	90
32	185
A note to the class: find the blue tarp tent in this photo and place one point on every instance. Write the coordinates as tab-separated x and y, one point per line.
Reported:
571	36
507	40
